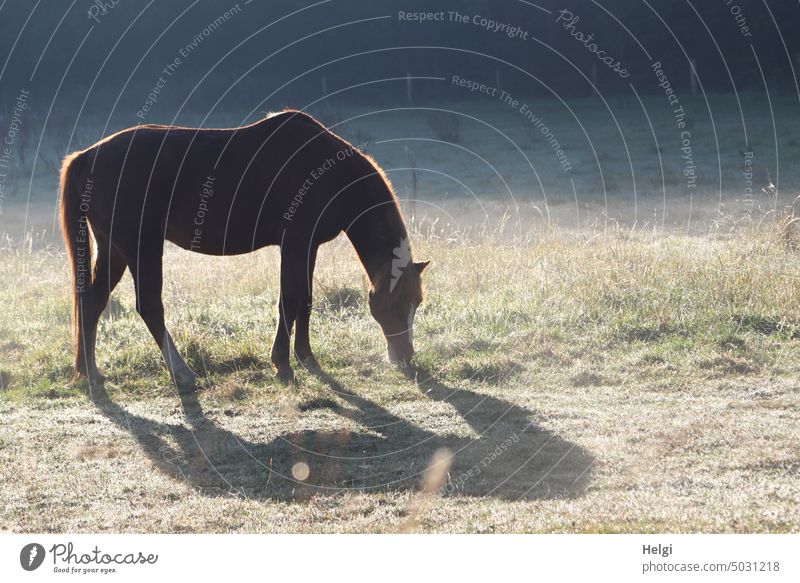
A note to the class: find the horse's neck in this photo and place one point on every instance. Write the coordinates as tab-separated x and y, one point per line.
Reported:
378	233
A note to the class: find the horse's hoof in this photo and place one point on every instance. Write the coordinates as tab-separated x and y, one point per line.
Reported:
186	388
186	384
309	362
285	375
93	379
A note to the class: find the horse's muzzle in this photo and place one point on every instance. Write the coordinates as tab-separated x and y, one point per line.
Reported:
400	351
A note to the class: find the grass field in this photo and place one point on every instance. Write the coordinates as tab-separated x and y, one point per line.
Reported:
603	379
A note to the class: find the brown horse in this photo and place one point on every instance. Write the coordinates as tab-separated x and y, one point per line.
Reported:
285	180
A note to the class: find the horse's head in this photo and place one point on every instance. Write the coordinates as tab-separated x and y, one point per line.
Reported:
393	301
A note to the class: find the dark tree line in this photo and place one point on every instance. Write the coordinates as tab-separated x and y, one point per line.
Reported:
119	51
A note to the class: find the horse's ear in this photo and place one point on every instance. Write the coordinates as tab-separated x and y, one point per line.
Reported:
421	265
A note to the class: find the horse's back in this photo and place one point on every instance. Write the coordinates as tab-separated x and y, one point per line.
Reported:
216	191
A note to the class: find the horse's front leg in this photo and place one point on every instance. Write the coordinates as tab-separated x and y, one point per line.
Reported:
291	296
302	343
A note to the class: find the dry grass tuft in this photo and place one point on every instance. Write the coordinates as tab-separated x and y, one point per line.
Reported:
788	226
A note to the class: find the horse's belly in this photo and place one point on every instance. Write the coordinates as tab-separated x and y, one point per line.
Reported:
213	239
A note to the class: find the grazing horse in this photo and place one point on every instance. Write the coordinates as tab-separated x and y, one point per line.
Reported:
285	180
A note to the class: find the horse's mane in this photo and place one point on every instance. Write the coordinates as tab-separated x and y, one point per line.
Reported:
307	117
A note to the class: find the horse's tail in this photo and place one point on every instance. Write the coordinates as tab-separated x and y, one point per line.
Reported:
77	238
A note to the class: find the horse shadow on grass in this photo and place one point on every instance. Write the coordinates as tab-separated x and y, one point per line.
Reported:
508	456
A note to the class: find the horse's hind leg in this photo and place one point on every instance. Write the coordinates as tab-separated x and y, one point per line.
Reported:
109	267
148	280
